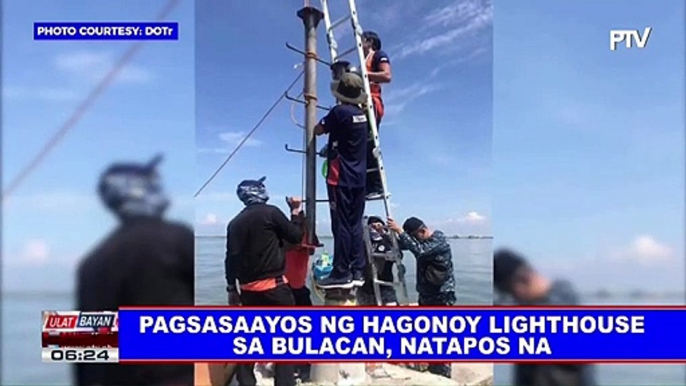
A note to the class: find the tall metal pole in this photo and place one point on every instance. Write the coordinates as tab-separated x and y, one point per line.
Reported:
310	17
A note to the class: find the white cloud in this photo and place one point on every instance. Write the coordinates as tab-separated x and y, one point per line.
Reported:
464	19
645	250
210	219
472	223
472	217
235	138
218	150
460	12
398	99
230	197
217	197
36	252
48	94
65	201
89	65
61	200
230	140
389	14
443	159
95	65
477	52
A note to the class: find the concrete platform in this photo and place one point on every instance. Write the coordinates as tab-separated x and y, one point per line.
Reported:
463	374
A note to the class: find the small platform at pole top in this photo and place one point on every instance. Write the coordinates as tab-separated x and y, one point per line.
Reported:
309	10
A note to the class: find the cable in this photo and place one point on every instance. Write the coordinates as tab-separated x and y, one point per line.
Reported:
293	118
245	139
303	162
82	108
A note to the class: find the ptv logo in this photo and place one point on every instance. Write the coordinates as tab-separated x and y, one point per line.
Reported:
628	36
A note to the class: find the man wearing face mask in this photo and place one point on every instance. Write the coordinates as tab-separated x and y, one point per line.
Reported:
515	277
255	263
146	261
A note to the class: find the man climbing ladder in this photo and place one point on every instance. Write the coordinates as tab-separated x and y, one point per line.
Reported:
374	68
378	66
346	125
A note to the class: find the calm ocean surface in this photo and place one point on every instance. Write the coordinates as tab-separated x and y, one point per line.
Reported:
21	316
472	260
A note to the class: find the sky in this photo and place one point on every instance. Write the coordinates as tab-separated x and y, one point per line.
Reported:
436	133
588	143
54	218
578	149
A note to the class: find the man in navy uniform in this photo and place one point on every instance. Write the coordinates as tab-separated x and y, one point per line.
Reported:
435	273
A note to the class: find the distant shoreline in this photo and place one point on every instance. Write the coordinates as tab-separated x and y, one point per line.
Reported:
636	296
633	295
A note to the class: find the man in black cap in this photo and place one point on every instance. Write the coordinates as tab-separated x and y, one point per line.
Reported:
515	277
435	276
346	125
146	261
255	261
381	241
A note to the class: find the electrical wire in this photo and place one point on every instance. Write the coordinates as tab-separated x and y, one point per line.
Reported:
303	162
245	139
81	109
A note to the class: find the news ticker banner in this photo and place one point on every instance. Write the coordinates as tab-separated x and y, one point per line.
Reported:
105	31
356	334
403	334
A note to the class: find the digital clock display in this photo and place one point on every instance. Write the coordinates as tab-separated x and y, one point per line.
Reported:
81	355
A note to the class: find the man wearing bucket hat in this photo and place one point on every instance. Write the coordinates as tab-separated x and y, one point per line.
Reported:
255	261
146	261
346	124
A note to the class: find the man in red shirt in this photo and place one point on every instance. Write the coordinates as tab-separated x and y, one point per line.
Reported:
379	71
297	265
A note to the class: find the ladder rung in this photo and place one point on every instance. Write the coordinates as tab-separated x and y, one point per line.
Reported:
319	200
375	198
390	256
386	283
379	197
345	53
303	102
339	22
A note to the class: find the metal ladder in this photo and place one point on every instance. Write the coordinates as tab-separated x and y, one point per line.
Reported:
377	262
369	108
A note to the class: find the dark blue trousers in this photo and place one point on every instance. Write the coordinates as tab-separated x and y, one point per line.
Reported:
347	210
